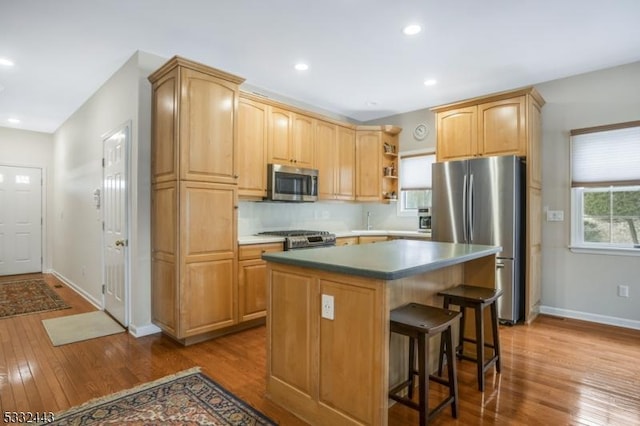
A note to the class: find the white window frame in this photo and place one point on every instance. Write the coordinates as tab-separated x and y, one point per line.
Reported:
578	245
401	211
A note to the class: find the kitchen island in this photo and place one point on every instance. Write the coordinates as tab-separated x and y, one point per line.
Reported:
333	364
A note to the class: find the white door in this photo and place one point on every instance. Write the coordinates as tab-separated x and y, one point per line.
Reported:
114	199
20	220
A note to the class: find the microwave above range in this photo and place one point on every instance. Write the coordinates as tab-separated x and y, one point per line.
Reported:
287	183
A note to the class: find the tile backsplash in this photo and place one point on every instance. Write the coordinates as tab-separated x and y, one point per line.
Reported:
254	217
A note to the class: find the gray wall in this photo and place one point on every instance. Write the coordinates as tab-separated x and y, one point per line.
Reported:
77	231
574	284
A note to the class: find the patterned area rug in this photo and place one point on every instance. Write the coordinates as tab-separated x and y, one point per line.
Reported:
28	297
186	398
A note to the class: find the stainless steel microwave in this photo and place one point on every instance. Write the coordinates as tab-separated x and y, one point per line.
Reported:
286	183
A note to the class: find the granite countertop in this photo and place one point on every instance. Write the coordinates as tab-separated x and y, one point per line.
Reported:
388	260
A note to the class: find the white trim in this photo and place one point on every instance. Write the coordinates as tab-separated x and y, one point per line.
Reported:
77	289
608	251
585	316
143	330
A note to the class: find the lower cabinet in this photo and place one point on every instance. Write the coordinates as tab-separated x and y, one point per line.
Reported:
252	284
194	246
346	241
373	239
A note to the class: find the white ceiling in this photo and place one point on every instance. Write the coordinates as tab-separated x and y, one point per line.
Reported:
65	49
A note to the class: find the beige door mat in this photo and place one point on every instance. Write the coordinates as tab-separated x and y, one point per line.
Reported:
76	328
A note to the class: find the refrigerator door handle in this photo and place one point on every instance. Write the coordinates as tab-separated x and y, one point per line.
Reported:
465	219
471	208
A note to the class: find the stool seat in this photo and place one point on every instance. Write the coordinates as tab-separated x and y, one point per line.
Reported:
419	323
417	318
472	294
476	298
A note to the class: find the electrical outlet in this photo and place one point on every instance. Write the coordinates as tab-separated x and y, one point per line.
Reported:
555	215
623	290
327	306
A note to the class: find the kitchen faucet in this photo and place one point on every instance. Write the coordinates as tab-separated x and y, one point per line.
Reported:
368	221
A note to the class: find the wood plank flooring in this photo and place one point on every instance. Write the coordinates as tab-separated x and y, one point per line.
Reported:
555	371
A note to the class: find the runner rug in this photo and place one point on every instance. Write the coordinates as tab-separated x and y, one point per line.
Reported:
186	398
79	327
28	297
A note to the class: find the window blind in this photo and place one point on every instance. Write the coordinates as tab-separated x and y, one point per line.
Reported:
605	158
415	172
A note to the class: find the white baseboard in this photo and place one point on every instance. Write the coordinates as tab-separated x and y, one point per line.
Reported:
144	330
80	291
585	316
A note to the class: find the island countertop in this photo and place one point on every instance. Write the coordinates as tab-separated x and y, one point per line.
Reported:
388	260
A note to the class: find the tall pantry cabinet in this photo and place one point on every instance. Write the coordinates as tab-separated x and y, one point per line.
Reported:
194	199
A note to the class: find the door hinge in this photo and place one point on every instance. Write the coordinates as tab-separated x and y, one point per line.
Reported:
103	162
103	288
103	225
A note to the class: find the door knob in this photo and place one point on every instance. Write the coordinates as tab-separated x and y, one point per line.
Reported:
121	243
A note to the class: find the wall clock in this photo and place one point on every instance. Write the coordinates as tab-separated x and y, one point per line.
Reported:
420	132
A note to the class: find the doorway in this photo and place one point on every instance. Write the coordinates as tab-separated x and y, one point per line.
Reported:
20	220
115	226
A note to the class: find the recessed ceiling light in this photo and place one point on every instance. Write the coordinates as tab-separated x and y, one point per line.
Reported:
412	29
301	67
13	120
430	82
6	62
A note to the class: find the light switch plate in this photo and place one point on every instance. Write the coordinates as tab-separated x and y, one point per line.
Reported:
555	215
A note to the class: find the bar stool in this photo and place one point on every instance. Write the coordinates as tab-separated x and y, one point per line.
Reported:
477	298
419	323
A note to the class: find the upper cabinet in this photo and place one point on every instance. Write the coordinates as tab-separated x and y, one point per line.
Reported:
290	138
252	148
494	125
459	128
376	163
335	151
203	100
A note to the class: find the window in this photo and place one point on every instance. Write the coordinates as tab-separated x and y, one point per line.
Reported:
415	182
605	186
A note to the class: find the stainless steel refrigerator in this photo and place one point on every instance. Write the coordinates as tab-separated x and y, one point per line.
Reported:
481	201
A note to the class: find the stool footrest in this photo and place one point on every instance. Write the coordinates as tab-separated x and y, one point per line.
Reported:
470	340
432	413
472	359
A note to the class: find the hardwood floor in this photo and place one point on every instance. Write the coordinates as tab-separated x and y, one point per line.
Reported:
555	371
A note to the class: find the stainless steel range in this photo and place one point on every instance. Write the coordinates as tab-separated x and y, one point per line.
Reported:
302	239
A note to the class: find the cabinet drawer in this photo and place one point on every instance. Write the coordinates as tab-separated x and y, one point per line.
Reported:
255	251
346	241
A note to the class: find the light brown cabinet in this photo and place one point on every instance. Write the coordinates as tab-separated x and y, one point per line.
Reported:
346	241
506	123
252	148
494	127
290	138
194	199
335	151
252	280
372	182
372	239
